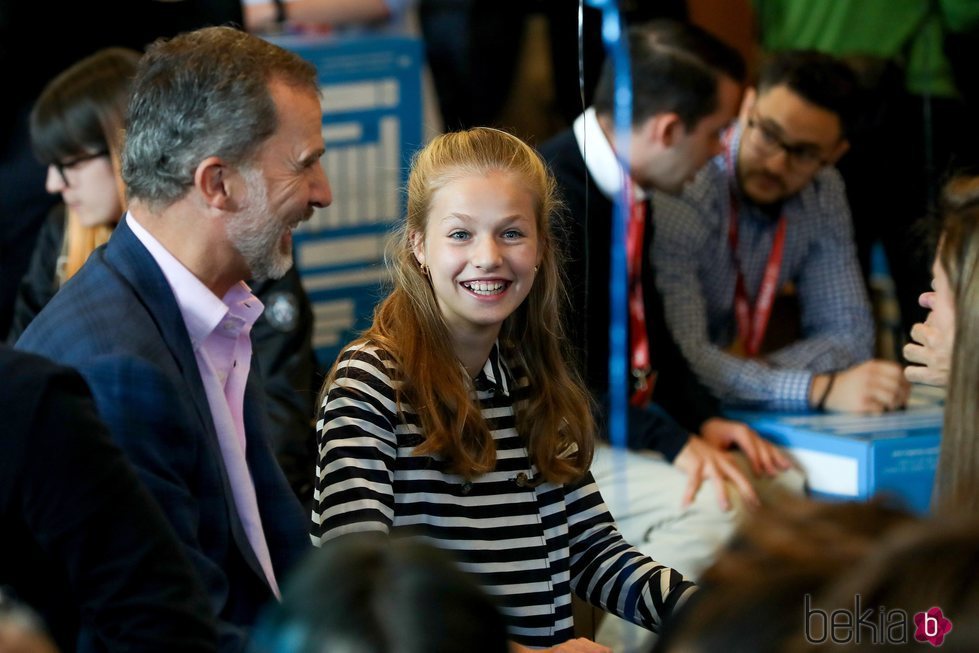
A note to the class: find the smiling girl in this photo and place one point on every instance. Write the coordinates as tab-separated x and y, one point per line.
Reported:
455	416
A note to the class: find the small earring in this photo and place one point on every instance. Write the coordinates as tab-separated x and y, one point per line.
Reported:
536	268
423	268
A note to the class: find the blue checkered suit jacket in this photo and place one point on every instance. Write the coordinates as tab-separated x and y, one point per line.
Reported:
118	323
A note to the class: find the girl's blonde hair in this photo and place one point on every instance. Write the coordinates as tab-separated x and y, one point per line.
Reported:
957	478
554	415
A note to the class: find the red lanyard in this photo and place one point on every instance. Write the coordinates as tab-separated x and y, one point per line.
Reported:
643	376
752	323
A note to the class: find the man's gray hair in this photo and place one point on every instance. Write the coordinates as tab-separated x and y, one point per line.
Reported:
203	93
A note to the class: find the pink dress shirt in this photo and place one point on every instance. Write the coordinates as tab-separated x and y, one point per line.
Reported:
219	331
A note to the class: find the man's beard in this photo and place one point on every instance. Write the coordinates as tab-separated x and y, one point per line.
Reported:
257	235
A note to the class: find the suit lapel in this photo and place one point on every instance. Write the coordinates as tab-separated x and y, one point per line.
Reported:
127	257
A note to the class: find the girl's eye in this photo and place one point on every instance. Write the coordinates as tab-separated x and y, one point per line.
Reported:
459	235
512	233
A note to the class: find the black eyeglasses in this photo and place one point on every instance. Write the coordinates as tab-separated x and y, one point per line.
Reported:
768	142
68	164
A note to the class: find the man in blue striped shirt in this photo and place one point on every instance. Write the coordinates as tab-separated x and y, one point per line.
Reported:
767	213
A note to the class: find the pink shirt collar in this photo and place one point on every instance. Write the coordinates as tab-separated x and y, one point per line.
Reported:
201	310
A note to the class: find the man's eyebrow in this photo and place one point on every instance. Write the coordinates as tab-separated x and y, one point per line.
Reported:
313	157
775	126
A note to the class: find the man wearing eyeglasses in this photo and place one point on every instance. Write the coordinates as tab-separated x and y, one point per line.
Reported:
767	214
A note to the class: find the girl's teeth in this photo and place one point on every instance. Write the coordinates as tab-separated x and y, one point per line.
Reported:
485	288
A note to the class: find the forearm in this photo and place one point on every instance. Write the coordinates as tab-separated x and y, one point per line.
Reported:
750	382
652	429
603	565
685	399
821	353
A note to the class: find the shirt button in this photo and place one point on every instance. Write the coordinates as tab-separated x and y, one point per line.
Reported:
467	487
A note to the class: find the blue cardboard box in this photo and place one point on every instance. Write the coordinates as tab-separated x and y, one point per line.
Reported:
852	457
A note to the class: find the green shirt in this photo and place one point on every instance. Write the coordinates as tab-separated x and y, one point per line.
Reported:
883	28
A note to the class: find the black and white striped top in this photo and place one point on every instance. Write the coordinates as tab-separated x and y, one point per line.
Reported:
528	544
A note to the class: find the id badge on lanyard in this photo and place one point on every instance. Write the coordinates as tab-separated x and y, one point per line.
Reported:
753	320
643	376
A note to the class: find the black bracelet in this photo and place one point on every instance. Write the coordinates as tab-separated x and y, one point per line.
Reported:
280	11
821	405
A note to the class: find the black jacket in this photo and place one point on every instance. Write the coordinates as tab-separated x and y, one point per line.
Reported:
282	339
586	237
83	543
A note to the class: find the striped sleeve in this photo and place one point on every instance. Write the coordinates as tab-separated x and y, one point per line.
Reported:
609	572
356	444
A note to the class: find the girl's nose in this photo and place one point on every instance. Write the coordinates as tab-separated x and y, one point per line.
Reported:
487	255
54	183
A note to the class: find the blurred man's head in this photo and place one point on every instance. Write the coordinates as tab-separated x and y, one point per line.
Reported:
686	86
369	593
21	629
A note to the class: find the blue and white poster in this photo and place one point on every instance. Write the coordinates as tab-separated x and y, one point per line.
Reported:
372	124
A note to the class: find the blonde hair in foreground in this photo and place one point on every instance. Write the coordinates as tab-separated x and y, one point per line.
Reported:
957	478
555	413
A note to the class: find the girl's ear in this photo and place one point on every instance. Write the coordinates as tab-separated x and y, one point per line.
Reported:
418	247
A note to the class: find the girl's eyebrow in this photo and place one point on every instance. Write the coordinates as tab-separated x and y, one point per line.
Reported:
516	217
458	216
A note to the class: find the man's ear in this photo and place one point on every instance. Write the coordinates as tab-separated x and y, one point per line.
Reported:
211	179
663	129
747	104
840	149
418	246
671	129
